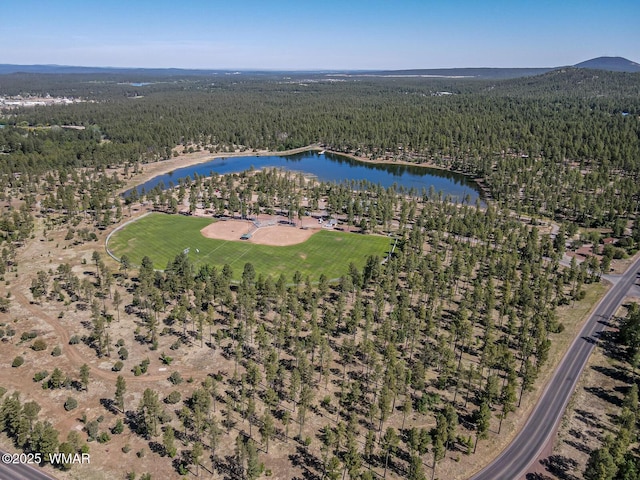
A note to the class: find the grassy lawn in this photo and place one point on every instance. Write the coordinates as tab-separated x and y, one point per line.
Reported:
161	237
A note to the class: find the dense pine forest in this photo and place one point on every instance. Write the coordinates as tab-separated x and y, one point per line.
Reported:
402	368
563	145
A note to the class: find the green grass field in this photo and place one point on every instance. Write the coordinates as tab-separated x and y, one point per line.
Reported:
161	237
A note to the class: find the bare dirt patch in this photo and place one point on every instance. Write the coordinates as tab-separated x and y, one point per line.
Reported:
279	235
274	235
227	230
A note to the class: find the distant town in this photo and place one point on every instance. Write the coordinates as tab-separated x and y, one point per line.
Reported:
11	102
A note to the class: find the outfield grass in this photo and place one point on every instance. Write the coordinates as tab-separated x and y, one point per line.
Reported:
161	237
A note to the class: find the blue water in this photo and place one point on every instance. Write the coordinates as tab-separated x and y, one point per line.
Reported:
332	168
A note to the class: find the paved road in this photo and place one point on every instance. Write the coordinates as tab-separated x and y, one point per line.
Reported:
514	461
21	472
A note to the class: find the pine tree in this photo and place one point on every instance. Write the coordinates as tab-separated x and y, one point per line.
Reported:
149	409
84	376
168	441
600	465
267	429
482	420
416	469
196	454
121	388
389	445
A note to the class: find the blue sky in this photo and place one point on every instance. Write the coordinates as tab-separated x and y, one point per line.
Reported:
329	34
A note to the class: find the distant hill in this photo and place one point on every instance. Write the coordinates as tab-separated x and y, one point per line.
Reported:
611	64
63	69
481	73
478	73
569	82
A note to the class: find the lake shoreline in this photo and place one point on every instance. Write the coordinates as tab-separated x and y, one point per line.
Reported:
184	160
482	186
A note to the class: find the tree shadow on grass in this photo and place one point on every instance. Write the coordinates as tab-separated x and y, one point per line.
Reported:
538	476
581	447
588	418
605	395
617	374
303	459
559	466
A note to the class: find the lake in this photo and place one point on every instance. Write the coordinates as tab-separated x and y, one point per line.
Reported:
330	167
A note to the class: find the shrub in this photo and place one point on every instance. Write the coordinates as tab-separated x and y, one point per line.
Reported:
28	336
39	345
39	376
166	359
144	365
70	404
117	366
56	352
123	353
175	378
57	379
173	398
92	430
74	340
164	417
104	437
17	361
118	428
619	253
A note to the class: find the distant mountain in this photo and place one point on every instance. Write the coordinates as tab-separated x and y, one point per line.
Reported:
611	64
569	81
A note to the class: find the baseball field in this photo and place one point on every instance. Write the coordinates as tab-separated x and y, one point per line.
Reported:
161	237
